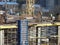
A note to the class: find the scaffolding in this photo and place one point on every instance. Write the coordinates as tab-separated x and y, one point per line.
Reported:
10	37
38	34
45	35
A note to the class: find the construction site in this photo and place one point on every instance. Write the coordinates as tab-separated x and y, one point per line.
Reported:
32	27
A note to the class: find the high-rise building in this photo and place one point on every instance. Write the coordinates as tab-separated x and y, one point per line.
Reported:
56	2
48	3
42	3
0	0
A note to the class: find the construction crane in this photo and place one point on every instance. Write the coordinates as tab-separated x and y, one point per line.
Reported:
29	7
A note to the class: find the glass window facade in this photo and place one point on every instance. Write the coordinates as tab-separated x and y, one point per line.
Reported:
43	3
48	3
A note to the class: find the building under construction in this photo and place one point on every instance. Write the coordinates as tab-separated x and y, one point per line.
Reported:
37	34
30	29
10	37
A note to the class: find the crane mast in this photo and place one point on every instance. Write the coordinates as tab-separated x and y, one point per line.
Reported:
30	7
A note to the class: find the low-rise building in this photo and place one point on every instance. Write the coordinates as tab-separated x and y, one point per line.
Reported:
10	5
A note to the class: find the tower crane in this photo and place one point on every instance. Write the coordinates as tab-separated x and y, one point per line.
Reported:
29	7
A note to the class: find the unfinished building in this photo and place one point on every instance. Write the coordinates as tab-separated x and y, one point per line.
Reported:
10	37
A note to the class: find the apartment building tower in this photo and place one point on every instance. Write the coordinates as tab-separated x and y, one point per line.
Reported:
48	4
